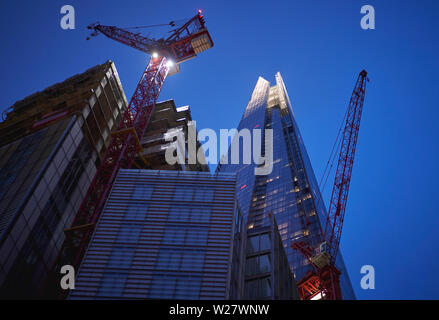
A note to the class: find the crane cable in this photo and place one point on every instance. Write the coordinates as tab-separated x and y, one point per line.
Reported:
330	163
172	23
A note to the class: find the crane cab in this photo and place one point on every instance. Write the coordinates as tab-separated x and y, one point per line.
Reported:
322	255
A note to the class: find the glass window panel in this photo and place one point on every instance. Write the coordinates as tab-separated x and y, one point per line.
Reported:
136	212
112	284
264	263
142	191
121	257
129	232
162	286
253	244
251	267
265	242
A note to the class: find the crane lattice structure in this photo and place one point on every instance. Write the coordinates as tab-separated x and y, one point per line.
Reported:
183	44
324	280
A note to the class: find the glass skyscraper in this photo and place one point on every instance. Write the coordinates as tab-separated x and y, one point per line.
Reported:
290	192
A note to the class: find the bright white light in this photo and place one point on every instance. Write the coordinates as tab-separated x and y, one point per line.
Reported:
155	55
169	64
318	296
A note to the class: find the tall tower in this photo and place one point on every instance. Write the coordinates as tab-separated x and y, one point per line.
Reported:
290	192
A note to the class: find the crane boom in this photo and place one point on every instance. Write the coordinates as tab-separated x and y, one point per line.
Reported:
134	40
340	190
324	282
183	44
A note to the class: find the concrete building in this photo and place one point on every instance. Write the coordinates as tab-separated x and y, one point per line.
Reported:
166	121
166	235
50	145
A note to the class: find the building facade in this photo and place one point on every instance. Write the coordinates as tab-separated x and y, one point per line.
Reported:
167	122
267	272
50	145
290	192
166	235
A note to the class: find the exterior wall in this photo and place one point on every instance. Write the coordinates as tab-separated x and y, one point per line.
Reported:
267	272
167	120
40	202
165	235
96	95
51	143
290	192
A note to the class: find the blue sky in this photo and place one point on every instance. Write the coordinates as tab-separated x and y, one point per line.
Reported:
319	47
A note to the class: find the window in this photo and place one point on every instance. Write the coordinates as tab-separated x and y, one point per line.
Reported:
135	212
251	267
258	288
173	235
257	265
265	242
188	287
168	259
180	260
204	194
264	263
174	287
193	193
185	235
196	236
162	286
185	213
112	284
142	191
121	257
237	221
184	194
253	244
129	233
200	214
259	243
192	261
179	213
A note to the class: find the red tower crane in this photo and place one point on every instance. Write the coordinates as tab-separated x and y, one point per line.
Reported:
323	282
184	43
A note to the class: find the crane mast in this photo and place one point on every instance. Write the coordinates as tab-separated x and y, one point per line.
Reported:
323	282
184	43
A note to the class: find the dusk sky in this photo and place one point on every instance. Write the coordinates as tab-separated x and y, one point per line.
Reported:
319	47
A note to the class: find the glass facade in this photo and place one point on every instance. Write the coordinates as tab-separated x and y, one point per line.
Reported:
290	192
166	235
50	145
267	271
49	172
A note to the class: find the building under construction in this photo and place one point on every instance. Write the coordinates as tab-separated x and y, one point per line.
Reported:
51	143
167	121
